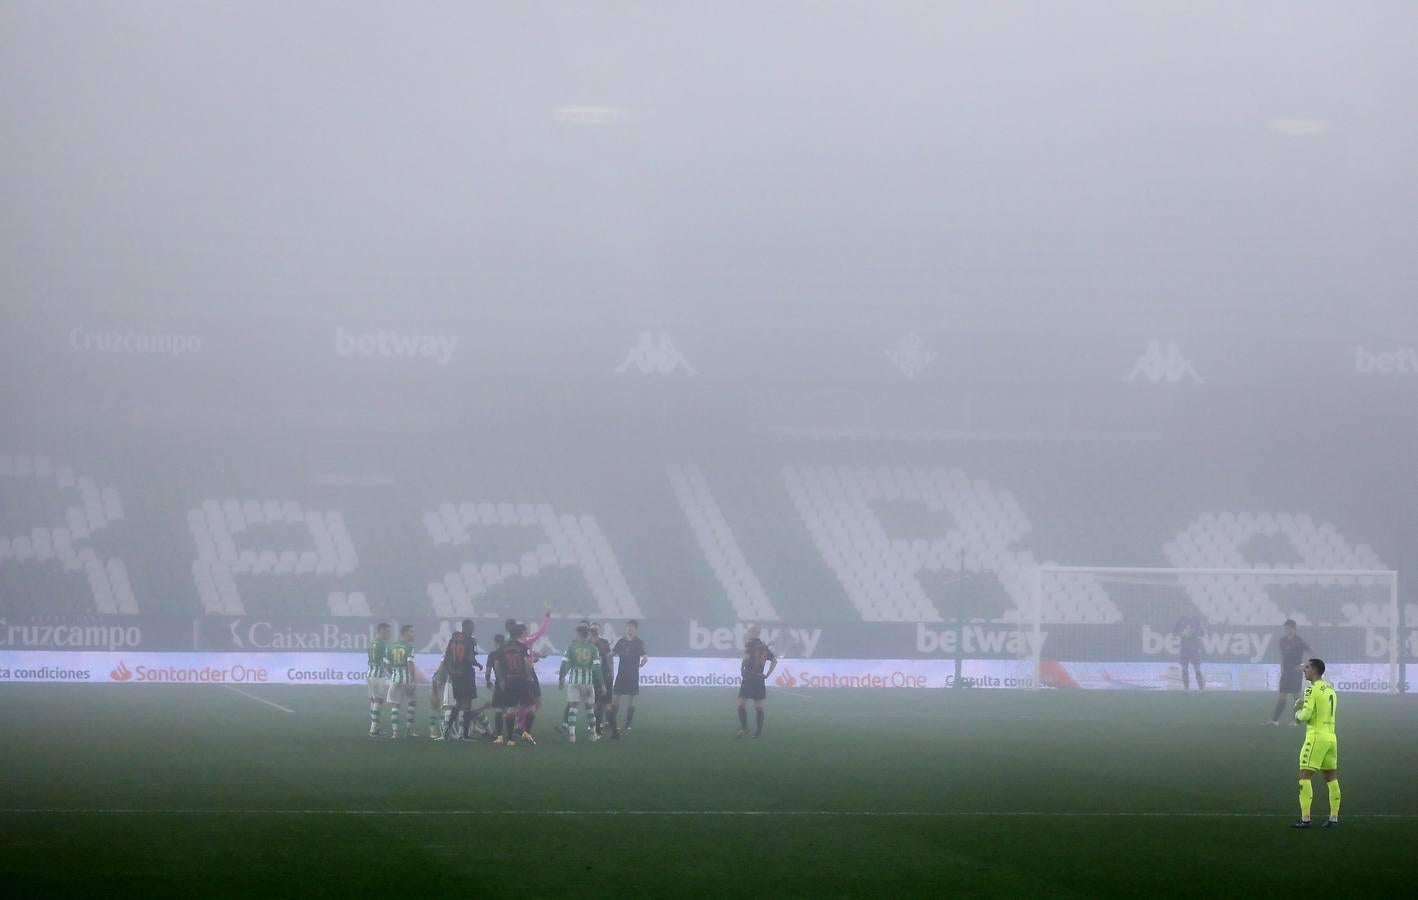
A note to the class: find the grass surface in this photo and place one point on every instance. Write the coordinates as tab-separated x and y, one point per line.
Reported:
158	791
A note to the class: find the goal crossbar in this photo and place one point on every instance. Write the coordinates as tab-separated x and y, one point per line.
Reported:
1277	573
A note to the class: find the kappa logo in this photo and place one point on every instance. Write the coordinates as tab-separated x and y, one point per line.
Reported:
121	672
1163	363
910	356
785	679
438	641
655	354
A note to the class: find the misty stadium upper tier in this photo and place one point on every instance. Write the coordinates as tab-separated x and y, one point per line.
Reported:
769	530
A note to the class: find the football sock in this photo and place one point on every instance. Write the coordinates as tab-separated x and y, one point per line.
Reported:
1334	800
759	729
374	706
413	714
629	716
1307	793
394	717
571	717
497	722
743	719
433	718
531	717
467	723
566	716
1279	707
511	721
615	728
596	719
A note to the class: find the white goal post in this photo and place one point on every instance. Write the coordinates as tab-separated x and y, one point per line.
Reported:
1087	624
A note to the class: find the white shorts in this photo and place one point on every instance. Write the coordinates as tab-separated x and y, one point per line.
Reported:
580	693
378	687
401	692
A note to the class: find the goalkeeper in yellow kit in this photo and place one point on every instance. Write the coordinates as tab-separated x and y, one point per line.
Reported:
1321	750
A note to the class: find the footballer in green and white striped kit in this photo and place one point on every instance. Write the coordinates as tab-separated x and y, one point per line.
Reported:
378	676
580	676
401	680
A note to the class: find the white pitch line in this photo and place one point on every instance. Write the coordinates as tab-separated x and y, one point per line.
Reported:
258	699
652	813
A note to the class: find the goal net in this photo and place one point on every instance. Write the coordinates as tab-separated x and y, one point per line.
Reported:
1130	628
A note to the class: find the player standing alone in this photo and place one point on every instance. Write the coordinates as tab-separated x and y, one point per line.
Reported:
401	680
1190	629
378	675
1293	650
755	680
631	651
1320	752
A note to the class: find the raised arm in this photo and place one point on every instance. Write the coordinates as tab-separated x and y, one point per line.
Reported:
1307	706
535	636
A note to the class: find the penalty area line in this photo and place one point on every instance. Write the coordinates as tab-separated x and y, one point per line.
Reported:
250	696
653	813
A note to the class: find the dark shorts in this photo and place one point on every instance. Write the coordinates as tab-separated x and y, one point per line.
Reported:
465	688
1191	659
626	685
755	687
1290	683
516	693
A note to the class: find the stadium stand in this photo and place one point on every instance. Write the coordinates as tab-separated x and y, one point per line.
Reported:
759	537
720	546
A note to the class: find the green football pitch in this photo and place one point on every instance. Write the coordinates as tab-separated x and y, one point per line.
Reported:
157	791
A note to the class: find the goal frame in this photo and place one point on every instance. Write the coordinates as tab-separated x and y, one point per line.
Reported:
1395	655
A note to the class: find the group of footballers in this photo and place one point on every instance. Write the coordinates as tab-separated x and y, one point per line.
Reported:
589	674
598	680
